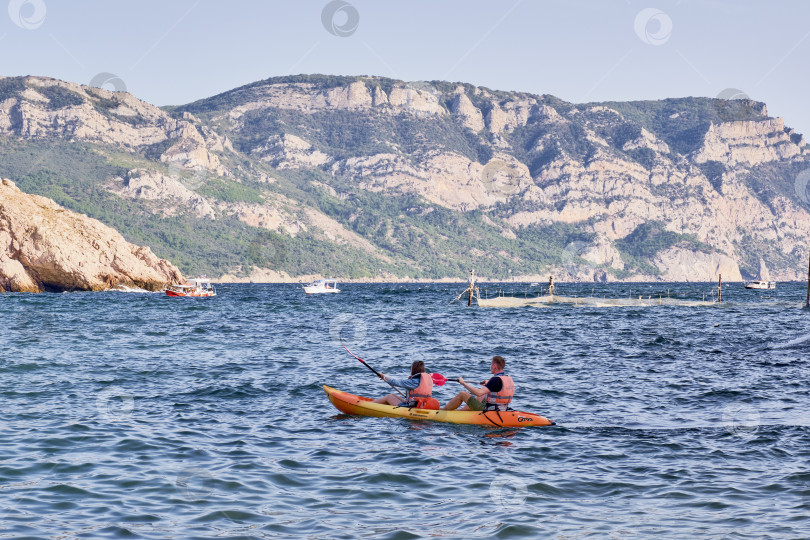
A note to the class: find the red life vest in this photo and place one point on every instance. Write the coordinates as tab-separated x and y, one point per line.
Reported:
502	398
424	389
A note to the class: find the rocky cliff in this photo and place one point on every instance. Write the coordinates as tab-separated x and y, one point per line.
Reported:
366	176
45	247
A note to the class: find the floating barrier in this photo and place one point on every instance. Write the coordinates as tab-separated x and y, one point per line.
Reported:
548	300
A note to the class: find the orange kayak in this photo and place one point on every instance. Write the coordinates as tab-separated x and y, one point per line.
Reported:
362	406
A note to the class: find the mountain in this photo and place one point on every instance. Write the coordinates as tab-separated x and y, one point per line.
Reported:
379	178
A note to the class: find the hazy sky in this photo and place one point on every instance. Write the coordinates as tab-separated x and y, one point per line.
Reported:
173	52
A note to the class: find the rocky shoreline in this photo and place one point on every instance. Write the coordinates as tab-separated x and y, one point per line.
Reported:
44	247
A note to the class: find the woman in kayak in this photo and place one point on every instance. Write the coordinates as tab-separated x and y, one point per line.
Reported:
496	393
418	387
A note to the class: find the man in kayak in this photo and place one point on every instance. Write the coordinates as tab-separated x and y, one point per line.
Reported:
418	387
495	395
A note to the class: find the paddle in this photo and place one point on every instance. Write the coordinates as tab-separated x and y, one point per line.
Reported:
440	380
374	370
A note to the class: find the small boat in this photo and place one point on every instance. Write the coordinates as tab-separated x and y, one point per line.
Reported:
197	287
760	285
362	406
322	286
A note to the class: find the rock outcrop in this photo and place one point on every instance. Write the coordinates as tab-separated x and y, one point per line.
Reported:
46	247
749	143
152	186
289	152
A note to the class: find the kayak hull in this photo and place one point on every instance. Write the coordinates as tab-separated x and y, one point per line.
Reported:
362	406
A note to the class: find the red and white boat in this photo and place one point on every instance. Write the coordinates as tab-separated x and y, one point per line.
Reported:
198	287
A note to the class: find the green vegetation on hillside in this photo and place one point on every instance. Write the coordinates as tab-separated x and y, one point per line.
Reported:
60	97
648	239
227	190
682	122
771	180
11	87
713	170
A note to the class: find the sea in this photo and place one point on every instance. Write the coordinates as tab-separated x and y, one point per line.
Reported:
135	415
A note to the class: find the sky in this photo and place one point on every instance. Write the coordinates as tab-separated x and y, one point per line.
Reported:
178	51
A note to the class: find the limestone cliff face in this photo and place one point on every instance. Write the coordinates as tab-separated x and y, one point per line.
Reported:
45	247
154	186
576	167
749	143
684	265
289	152
44	108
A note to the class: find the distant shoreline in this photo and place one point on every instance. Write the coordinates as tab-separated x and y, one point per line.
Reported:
296	281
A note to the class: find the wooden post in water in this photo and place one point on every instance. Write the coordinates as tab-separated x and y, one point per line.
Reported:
472	284
807	302
719	288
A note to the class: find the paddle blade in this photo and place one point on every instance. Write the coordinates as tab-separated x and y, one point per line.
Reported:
439	379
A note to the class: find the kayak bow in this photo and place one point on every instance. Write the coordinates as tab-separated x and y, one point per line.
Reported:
362	406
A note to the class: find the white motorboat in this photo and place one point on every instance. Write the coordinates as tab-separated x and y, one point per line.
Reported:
764	281
322	286
760	284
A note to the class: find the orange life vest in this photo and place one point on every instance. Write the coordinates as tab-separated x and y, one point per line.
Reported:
502	398
424	389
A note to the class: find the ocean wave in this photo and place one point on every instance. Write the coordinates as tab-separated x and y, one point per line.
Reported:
125	289
799	341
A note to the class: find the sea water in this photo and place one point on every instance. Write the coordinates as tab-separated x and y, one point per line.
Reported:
140	416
